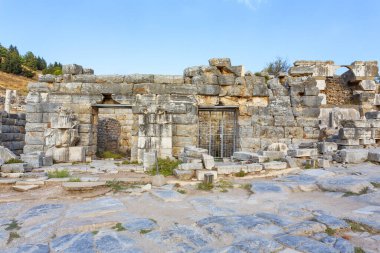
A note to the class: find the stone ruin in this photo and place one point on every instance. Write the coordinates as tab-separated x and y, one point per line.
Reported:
220	109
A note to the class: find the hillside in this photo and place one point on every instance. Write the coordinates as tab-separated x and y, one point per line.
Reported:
14	82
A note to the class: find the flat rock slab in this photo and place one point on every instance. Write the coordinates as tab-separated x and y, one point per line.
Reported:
305	244
167	195
369	210
82	186
330	221
24	188
268	187
140	224
344	184
7	181
318	173
306	228
32	248
254	243
275	165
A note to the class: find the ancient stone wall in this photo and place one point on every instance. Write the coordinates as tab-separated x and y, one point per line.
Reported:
12	131
163	114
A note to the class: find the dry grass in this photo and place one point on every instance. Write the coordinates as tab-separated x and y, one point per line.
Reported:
13	82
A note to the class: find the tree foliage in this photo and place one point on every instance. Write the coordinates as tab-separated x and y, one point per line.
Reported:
277	66
12	62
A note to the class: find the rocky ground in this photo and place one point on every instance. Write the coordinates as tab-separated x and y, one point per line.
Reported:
314	210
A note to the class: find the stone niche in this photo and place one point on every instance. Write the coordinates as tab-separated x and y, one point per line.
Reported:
62	137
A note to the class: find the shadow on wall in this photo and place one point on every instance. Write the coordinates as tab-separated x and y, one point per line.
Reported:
109	131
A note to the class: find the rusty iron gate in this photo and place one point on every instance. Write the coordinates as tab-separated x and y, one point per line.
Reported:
217	131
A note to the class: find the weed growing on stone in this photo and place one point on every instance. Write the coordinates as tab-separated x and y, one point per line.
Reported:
246	187
205	186
358	227
224	185
119	227
75	179
126	162
363	191
165	167
308	166
115	185
13	160
330	231
76	163
182	191
13	225
58	173
12	236
145	231
110	155
240	174
95	232
376	185
359	250
153	220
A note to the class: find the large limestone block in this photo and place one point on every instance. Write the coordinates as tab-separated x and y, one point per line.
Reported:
34	160
220	62
244	156
6	154
183	174
227	169
190	166
208	161
72	69
61	155
374	155
77	154
13	168
369	85
344	184
305	152
274	165
354	155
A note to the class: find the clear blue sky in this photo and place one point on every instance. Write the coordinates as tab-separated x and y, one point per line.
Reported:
165	36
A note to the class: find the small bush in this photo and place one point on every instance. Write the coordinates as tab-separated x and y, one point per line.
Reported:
13	225
359	250
330	231
13	160
145	231
110	155
115	185
182	191
12	236
240	174
119	227
75	179
126	162
58	173
246	187
376	185
165	166
95	232
205	186
363	191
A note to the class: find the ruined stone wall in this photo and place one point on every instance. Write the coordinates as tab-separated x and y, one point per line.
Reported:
164	109
12	131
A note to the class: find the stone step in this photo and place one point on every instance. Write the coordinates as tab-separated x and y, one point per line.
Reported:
24	188
82	186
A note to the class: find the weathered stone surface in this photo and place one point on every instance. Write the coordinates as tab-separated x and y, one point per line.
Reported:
304	152
275	165
306	228
24	188
244	156
220	62
72	69
77	154
158	180
13	168
183	174
190	166
304	244
208	161
226	169
354	156
374	155
167	195
82	242
267	187
82	186
343	184
6	154
330	221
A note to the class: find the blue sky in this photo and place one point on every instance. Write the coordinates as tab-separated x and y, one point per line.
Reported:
166	36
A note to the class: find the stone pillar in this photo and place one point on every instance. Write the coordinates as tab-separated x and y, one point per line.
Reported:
8	99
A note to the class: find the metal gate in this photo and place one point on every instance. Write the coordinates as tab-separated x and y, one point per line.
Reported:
217	131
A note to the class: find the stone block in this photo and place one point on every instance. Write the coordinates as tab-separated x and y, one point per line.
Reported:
24	188
47	161
200	174
149	160
77	154
373	115
158	180
244	156
13	168
273	155
6	154
323	163
286	120
354	155
208	90
355	133
61	155
260	90
226	80
374	155
183	174
227	169
168	79
208	161
72	69
368	85
190	166
192	151
305	152
327	147
311	101
275	165
253	167
34	160
220	62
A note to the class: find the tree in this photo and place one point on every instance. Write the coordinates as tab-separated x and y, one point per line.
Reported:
277	66
12	62
41	63
30	61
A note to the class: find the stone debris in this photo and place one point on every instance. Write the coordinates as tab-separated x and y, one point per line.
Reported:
344	184
200	174
82	186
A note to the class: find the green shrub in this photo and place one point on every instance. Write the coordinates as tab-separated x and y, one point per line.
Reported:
145	231
58	173
165	166
119	227
240	174
205	186
126	162
13	225
75	179
13	160
115	185
12	236
110	154
182	191
330	231
359	250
